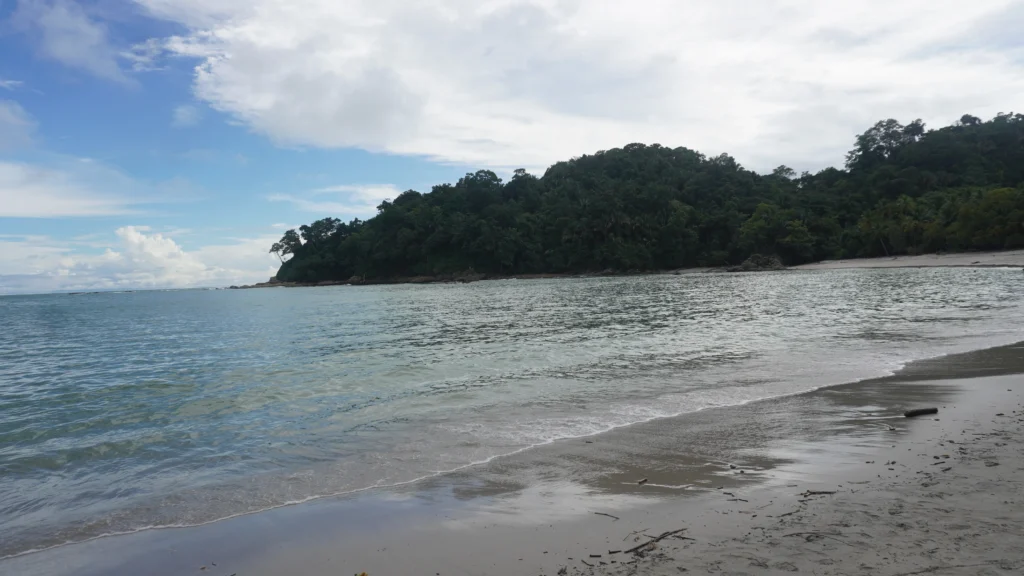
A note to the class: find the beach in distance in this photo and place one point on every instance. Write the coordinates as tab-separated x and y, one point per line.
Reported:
1007	258
518	427
997	259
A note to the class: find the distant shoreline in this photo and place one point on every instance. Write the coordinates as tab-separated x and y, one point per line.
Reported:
1000	259
1008	258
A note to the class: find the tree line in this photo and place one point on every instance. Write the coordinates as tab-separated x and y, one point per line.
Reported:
904	190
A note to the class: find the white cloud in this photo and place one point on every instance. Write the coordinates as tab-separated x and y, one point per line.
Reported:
346	201
185	115
10	84
508	83
132	258
16	126
74	188
143	57
67	34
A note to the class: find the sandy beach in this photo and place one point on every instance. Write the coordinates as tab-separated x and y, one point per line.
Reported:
835	481
946	498
1010	258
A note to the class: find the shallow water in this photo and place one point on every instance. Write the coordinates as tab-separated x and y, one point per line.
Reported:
125	411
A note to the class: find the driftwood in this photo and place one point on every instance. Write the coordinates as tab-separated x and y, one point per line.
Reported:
920	412
812	536
632	533
608	515
653	540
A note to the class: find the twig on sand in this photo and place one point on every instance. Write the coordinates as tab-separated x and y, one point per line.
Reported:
632	533
937	568
587	563
608	515
810	536
653	540
818	492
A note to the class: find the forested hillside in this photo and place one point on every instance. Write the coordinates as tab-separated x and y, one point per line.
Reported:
904	190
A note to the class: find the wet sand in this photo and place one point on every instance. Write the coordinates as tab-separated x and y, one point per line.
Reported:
1011	258
537	512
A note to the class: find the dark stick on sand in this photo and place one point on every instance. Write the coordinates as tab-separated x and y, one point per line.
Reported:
652	541
920	412
608	515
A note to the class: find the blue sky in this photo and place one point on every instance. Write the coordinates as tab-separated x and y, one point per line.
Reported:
167	143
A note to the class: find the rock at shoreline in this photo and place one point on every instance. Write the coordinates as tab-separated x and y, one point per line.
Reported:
758	263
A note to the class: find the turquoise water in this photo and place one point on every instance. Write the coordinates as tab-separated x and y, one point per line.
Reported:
125	411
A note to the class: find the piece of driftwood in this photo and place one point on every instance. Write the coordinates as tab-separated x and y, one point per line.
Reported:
812	536
634	532
920	412
608	515
642	482
653	540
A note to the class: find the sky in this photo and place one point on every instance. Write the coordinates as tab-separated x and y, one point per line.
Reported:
168	143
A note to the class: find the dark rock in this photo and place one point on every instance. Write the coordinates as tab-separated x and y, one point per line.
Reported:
758	263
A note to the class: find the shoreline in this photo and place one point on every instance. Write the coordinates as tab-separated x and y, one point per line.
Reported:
1000	259
997	259
940	506
603	478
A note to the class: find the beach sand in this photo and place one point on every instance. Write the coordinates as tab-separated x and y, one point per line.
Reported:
939	494
1010	258
946	498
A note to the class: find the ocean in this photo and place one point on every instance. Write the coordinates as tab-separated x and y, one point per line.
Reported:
121	412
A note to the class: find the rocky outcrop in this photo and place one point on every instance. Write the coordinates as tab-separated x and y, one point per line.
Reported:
758	263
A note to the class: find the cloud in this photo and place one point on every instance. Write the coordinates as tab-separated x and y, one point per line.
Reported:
185	115
10	84
144	56
509	83
65	33
75	188
345	201
131	258
16	126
